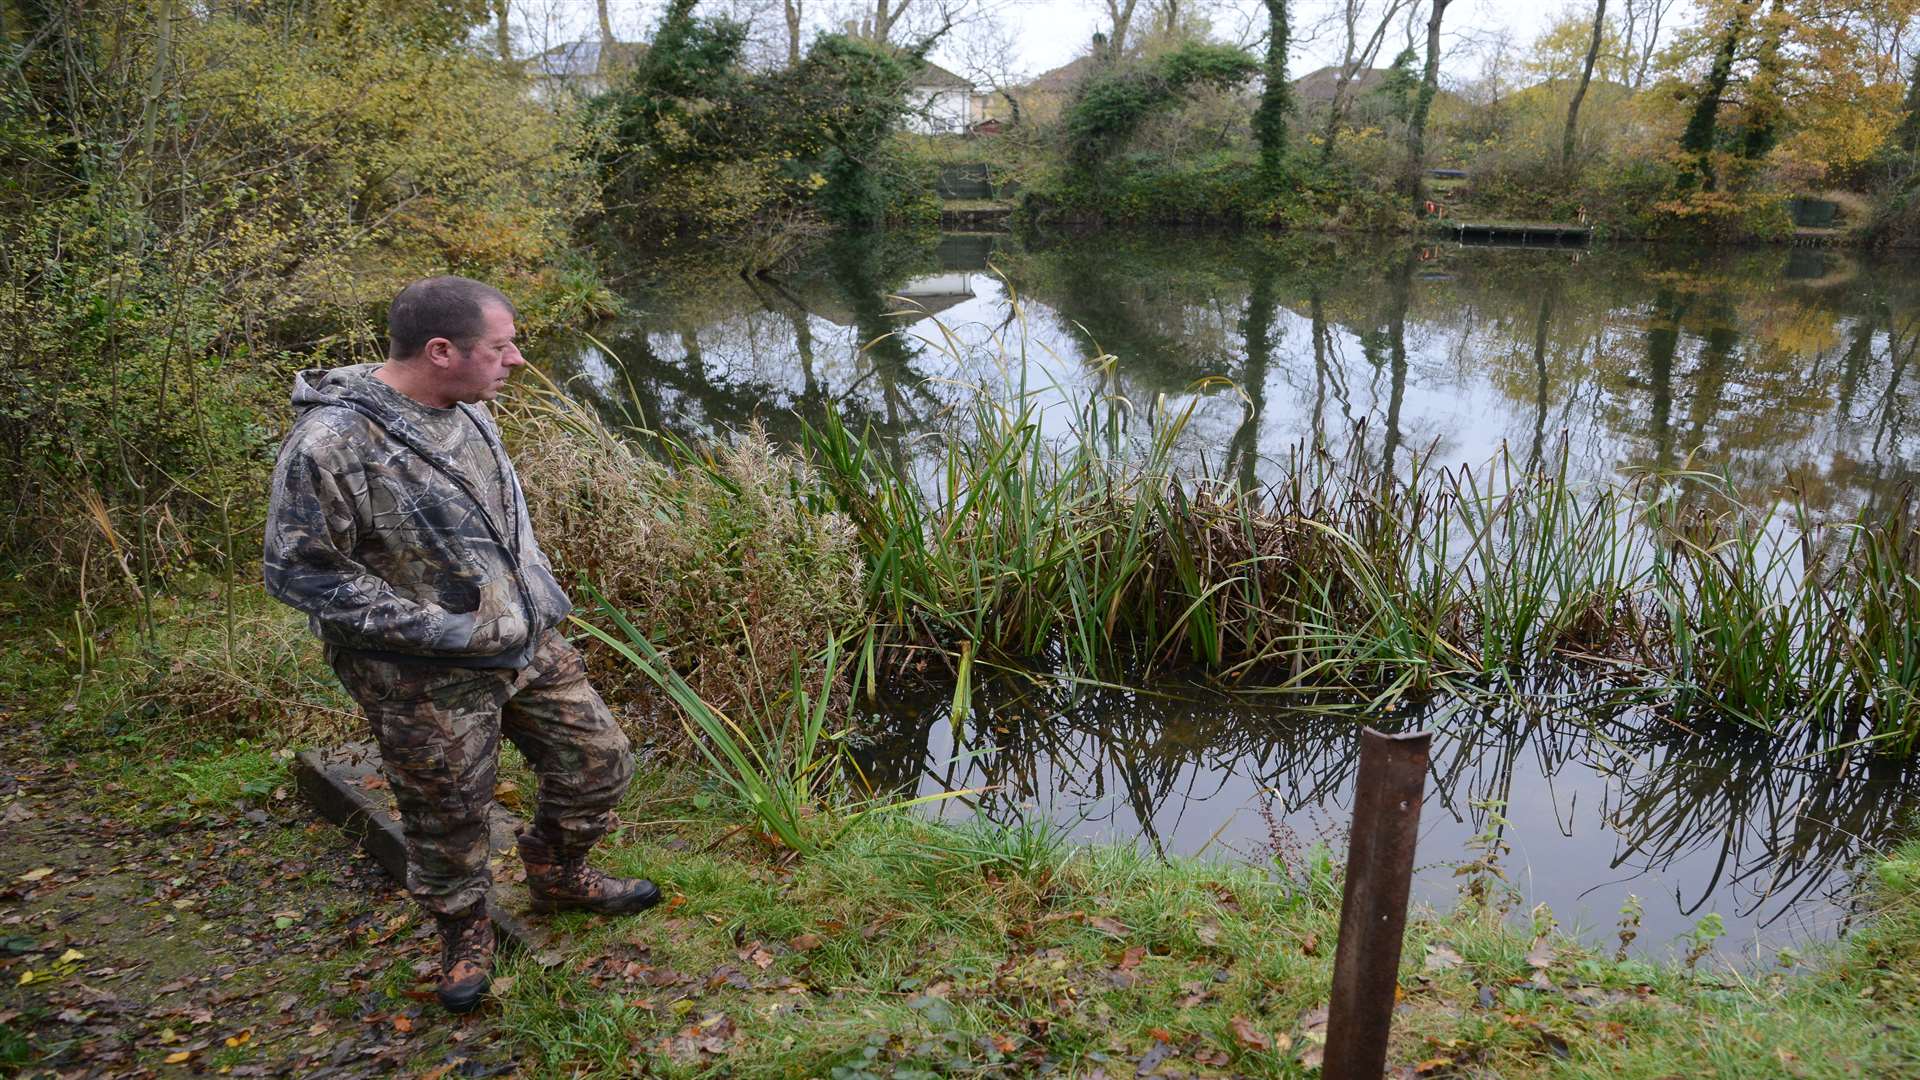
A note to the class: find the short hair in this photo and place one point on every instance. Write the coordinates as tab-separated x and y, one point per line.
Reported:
440	307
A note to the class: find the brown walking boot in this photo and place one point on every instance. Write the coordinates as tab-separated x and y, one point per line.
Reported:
466	957
558	883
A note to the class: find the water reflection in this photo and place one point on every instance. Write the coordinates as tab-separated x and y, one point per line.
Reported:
1778	366
1764	836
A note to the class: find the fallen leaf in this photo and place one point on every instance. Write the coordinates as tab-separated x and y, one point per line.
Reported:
241	1039
1249	1036
1106	925
178	1056
36	875
1311	945
1153	1059
1313	1056
804	942
1442	958
1132	957
1208	933
402	1024
1541	955
1162	1034
71	956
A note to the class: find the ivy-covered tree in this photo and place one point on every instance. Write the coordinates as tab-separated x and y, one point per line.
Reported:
706	148
1112	103
1276	98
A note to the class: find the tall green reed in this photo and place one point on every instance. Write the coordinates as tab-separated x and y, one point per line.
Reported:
1088	544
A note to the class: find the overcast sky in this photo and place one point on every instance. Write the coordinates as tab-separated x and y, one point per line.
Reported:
1048	33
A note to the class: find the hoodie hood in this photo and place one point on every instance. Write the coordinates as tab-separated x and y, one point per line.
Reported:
347	387
315	387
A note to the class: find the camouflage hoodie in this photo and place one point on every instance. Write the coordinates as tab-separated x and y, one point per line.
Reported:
388	546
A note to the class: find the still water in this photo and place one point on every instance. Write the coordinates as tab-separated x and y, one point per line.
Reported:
1776	366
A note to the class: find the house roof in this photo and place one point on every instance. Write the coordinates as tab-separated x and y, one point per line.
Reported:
1065	76
1319	85
578	59
935	77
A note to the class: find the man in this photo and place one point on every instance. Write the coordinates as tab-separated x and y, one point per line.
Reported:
397	524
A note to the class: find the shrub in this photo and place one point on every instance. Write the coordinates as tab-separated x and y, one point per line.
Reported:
172	258
713	554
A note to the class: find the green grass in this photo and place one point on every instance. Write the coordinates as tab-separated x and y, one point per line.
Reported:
912	948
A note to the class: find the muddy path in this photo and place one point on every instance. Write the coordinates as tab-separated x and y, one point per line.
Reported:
240	940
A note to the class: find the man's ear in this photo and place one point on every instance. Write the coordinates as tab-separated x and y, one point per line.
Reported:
440	352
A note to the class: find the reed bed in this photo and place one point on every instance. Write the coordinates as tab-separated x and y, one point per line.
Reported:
1093	554
1087	550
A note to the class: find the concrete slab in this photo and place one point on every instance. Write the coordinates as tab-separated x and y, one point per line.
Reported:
344	783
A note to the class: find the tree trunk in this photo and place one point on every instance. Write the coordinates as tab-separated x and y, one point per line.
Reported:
885	17
1703	125
1580	91
1417	124
793	13
606	24
1121	15
1276	100
156	85
1764	107
502	40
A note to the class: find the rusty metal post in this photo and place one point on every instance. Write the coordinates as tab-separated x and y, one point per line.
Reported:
1373	906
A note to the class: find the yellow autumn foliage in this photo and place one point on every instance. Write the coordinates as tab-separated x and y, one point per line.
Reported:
203	199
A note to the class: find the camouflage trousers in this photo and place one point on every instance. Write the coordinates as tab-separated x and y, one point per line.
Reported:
439	732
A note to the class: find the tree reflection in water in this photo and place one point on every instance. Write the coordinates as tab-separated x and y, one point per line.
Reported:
1599	798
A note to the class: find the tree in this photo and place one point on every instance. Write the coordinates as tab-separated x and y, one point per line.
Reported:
1580	91
1909	133
1703	125
1764	104
1641	22
1119	20
1422	103
1276	98
989	56
502	39
1110	105
606	23
794	13
1357	57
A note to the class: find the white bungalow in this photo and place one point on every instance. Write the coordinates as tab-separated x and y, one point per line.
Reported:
942	103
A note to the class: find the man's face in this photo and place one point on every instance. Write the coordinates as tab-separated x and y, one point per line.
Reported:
478	372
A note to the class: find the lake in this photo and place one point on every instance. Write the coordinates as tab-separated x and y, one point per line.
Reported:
1775	366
